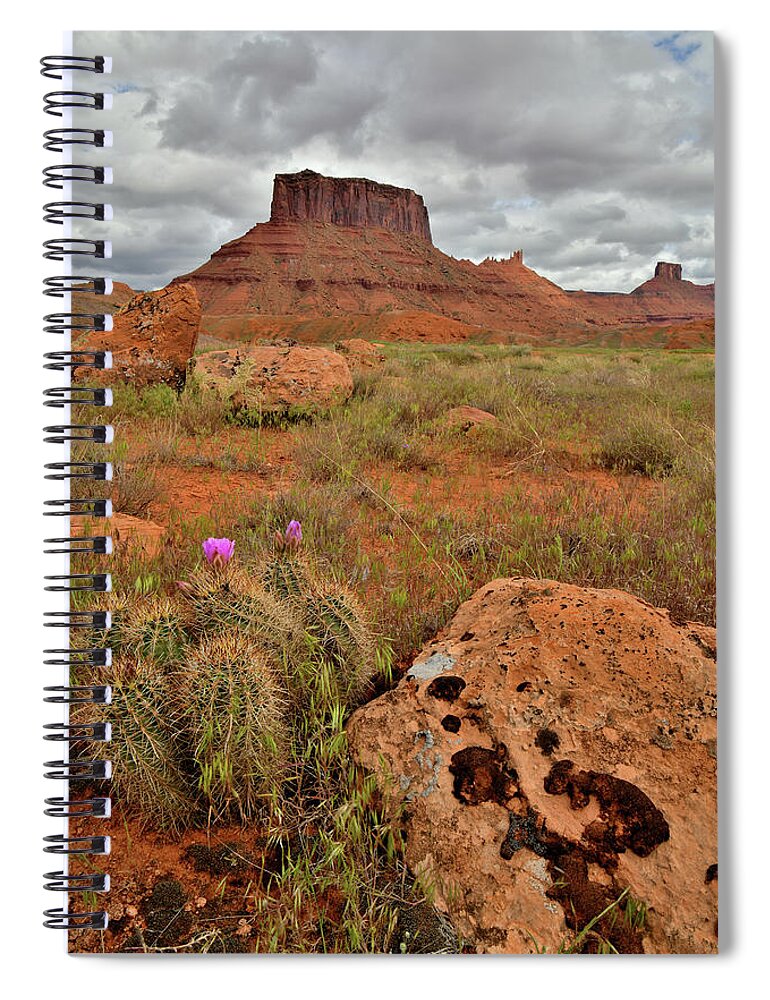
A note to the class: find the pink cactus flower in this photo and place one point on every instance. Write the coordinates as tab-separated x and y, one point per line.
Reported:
293	533
218	551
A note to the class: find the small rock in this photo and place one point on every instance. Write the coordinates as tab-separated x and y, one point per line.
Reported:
359	353
465	418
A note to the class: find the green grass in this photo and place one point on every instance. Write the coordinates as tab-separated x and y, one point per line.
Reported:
644	417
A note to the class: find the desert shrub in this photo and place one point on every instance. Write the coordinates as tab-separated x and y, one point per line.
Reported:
201	411
151	402
388	443
136	488
325	511
640	446
324	452
234	716
158	401
159	443
241	457
510	438
365	382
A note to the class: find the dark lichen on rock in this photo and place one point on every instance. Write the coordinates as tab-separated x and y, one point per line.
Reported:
480	775
629	819
446	688
547	741
451	723
525	830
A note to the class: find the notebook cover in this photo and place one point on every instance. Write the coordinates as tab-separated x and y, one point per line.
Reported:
413	603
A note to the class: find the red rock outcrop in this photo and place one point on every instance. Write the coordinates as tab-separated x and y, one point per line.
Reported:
339	247
153	337
359	353
555	750
348	201
270	379
671	272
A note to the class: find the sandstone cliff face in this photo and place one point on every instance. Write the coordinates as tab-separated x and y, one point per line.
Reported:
348	201
671	272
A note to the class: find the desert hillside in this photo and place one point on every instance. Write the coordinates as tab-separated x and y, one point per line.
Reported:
354	248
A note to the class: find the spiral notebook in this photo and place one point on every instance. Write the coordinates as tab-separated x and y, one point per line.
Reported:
384	363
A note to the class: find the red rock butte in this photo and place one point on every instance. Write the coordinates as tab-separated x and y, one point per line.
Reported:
350	257
348	201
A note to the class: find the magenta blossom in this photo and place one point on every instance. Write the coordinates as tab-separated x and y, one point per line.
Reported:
290	539
218	551
293	534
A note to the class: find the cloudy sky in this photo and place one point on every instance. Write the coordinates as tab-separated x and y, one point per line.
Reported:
591	150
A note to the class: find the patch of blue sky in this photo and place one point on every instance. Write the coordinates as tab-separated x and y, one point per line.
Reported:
678	48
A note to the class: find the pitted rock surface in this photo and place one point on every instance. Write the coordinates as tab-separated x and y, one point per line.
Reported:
548	791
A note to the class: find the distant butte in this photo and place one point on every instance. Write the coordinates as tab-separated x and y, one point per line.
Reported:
351	257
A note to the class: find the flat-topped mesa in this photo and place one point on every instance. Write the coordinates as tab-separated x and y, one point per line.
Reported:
348	201
669	272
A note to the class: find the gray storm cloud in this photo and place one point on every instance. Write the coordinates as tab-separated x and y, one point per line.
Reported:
591	150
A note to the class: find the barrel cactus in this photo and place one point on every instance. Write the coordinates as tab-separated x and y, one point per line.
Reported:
149	775
235	720
151	629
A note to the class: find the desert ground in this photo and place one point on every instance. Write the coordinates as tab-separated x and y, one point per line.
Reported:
448	467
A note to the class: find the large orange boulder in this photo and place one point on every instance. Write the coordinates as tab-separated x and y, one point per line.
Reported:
277	379
359	353
153	337
552	754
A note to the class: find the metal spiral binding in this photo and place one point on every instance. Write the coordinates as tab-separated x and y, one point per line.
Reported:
53	66
91	322
57	138
56	101
81	731
58	211
63	284
57	360
91	433
60	249
70	395
57	176
78	508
